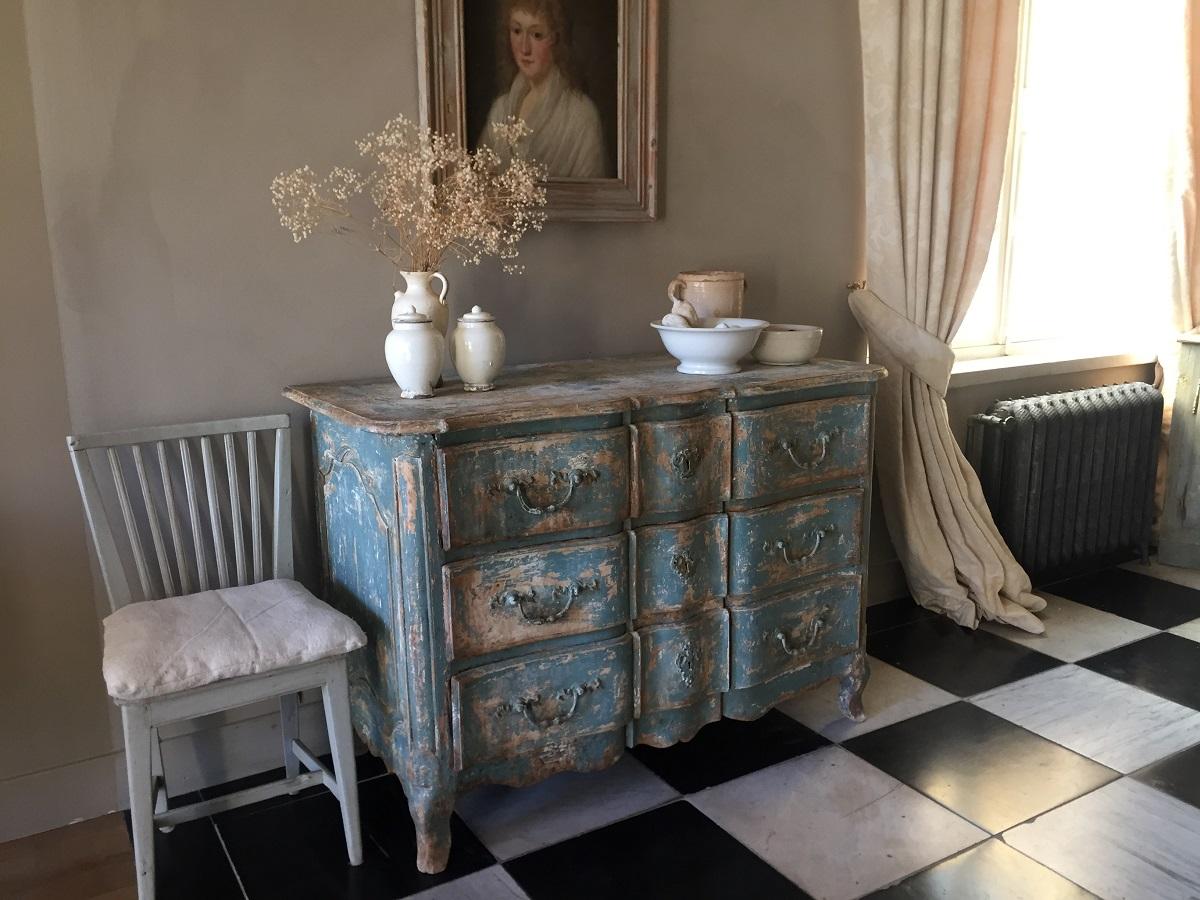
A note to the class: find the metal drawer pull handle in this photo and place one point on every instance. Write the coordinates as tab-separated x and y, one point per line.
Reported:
682	564
810	635
534	615
685	461
819	449
525	705
817	537
572	479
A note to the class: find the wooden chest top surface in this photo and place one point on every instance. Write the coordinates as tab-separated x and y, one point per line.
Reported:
562	389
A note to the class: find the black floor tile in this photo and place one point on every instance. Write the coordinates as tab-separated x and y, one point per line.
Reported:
988	871
1151	601
729	749
985	768
1177	775
893	613
366	767
297	850
674	851
1164	664
189	861
954	658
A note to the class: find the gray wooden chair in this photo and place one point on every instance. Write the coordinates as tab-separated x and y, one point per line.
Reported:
209	623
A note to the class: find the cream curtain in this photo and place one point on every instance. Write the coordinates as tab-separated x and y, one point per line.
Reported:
938	81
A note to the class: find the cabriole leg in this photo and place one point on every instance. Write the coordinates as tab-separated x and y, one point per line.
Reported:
853	682
431	809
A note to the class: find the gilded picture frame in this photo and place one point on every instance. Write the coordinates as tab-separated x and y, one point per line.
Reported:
608	102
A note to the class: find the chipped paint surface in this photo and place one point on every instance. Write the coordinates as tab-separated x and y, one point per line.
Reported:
794	630
681	568
497	490
684	465
538	704
790	446
547	640
521	596
771	546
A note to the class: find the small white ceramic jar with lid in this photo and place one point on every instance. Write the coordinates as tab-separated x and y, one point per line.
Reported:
477	349
414	350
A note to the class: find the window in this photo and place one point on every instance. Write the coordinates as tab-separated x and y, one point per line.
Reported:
1082	250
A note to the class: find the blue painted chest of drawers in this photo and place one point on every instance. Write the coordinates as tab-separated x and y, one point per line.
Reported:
594	555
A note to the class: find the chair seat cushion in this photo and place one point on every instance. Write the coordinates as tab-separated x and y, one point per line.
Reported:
162	646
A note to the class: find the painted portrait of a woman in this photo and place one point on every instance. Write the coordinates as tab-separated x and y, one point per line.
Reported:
541	83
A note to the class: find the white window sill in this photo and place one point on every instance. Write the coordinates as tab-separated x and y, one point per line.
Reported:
1063	361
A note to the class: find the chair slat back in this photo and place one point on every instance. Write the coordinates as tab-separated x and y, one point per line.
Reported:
133	502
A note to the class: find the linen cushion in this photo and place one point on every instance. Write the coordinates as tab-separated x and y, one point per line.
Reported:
158	647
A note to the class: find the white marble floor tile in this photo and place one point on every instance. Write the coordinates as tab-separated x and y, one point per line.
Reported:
1177	574
835	824
1189	630
513	821
492	883
1116	724
1125	840
891	695
1073	631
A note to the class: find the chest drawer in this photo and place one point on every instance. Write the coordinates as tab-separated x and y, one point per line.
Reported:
681	567
775	544
682	466
793	630
511	708
513	598
683	662
513	488
787	447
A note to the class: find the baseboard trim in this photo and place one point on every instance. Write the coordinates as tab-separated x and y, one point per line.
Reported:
51	798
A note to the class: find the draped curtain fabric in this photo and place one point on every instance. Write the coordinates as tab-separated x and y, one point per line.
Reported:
938	81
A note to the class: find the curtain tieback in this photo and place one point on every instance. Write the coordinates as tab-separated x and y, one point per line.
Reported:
922	353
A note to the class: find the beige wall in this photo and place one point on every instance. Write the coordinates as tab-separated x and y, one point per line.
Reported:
159	280
53	711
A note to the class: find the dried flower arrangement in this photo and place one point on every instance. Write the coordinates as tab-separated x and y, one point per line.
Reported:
432	197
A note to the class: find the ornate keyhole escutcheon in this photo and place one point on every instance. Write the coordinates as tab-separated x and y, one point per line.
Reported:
682	564
685	461
685	661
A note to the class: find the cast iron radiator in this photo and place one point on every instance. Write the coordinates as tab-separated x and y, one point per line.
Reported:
1069	477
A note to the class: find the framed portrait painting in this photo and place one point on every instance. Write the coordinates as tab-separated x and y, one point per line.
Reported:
582	74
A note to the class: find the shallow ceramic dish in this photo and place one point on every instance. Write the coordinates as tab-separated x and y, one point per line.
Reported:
712	348
788	345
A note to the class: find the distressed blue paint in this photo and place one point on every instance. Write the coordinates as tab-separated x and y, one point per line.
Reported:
681	568
791	631
775	545
683	662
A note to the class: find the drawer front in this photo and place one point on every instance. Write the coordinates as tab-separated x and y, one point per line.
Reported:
681	567
787	447
775	544
498	490
512	708
792	631
517	597
682	466
683	662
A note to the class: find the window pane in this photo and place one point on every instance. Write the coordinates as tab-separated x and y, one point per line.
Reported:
1099	122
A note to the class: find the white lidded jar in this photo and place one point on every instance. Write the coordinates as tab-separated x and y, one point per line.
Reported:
477	349
414	351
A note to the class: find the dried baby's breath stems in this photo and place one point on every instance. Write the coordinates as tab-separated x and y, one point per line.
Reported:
431	197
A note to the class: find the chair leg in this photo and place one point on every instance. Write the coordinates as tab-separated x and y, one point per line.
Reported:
159	778
289	728
139	766
335	692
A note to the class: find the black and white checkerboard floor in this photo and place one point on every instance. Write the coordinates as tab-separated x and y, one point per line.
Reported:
992	764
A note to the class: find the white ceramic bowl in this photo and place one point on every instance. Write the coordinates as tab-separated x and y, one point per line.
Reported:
788	345
714	347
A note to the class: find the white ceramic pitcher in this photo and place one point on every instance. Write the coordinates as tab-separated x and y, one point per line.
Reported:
418	295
